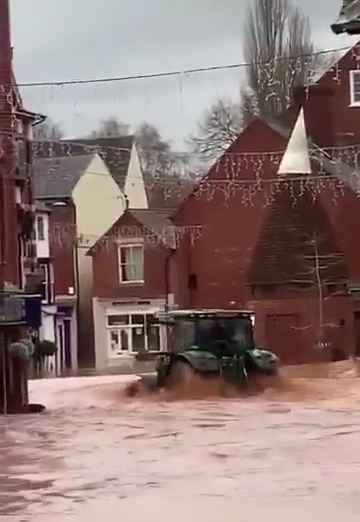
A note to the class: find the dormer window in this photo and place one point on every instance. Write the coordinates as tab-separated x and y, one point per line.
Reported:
355	87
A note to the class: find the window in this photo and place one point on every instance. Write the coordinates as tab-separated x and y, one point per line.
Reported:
18	195
118	320
30	250
40	228
131	264
355	87
132	333
47	284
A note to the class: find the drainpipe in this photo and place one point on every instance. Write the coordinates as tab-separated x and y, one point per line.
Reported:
4	371
167	277
77	282
6	127
167	288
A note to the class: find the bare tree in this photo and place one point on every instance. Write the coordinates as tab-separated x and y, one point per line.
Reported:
323	269
278	46
111	128
48	131
249	105
153	150
166	172
218	129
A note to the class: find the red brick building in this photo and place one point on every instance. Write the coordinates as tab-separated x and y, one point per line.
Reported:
19	310
131	264
279	213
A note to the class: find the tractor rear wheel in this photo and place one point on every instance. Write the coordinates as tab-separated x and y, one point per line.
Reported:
181	377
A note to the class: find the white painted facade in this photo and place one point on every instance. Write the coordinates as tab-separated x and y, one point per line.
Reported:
47	332
42	234
47	329
124	326
98	201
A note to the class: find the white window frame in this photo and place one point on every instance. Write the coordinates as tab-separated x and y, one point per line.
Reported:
44	267
353	102
131	326
18	195
120	265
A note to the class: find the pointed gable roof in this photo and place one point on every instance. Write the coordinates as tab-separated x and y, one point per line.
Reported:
115	152
57	177
296	159
157	222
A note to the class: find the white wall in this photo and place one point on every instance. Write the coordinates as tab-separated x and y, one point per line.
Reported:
47	329
42	246
101	308
98	199
134	184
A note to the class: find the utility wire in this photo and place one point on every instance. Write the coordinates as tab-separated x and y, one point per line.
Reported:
176	73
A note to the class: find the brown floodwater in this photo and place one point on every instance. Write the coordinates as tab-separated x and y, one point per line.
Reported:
289	452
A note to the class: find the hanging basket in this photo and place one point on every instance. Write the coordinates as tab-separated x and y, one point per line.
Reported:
22	349
44	349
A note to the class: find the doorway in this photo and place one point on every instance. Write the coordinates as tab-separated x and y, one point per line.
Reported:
357	333
64	345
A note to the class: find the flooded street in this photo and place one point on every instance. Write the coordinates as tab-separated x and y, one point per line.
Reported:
95	454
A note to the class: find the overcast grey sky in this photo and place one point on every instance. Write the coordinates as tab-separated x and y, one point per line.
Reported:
76	39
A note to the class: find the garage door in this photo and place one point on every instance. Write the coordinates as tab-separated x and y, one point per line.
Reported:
284	338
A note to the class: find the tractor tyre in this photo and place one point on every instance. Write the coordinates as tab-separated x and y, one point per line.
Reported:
181	377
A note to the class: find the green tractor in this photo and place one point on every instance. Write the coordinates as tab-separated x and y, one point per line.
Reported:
211	343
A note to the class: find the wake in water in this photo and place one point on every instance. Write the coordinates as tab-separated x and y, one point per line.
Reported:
302	383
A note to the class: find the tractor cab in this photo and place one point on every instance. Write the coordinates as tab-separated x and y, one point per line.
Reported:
218	332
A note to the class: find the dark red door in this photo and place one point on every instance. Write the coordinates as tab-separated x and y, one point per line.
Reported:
284	338
357	333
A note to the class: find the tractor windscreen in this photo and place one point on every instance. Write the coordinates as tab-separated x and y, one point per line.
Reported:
227	334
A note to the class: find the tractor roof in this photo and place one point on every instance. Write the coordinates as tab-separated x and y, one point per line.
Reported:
198	314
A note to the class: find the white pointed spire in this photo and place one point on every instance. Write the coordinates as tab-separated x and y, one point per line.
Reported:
296	159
